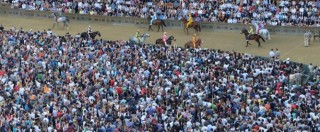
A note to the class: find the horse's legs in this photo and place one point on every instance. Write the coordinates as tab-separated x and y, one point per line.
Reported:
259	45
162	27
150	28
66	25
187	31
53	25
158	28
247	43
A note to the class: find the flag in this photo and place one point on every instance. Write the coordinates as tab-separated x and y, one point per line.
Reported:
46	89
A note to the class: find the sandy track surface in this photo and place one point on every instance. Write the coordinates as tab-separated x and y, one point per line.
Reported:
290	46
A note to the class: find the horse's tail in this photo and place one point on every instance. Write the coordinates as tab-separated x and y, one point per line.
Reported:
199	28
67	19
262	38
164	24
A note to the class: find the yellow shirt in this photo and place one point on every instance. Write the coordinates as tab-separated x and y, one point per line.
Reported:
190	19
251	31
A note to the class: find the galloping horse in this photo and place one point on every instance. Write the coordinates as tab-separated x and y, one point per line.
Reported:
92	35
189	44
194	25
58	19
157	22
135	40
254	37
169	41
263	32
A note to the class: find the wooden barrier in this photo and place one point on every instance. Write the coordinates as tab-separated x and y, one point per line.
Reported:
211	26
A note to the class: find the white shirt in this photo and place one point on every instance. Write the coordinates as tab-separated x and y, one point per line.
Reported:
271	54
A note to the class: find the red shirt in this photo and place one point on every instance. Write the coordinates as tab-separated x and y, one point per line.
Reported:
119	90
111	83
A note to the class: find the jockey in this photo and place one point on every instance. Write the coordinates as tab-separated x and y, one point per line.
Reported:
190	20
138	36
260	26
194	40
89	31
164	38
60	13
251	31
153	17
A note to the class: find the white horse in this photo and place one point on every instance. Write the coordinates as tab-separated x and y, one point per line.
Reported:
263	32
295	78
135	40
58	19
307	38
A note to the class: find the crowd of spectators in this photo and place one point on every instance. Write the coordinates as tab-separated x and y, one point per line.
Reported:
272	12
65	83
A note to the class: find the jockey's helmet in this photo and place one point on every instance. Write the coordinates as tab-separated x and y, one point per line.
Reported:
138	30
195	34
164	33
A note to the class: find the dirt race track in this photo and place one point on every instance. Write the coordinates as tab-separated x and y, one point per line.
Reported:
290	46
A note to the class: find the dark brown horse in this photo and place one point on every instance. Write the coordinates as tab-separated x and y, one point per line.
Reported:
169	41
189	44
157	22
254	37
196	26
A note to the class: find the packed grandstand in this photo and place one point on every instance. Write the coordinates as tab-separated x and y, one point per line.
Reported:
66	83
272	12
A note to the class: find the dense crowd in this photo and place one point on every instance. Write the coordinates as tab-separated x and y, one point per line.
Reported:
66	83
271	12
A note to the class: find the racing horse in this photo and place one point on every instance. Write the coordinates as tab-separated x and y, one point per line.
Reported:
194	25
157	22
255	37
263	32
58	19
135	40
84	35
189	44
169	41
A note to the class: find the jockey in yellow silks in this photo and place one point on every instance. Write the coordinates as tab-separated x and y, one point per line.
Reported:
194	40
190	20
138	36
251	31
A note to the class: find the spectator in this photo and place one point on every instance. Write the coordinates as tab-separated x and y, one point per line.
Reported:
272	54
283	13
68	85
277	54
